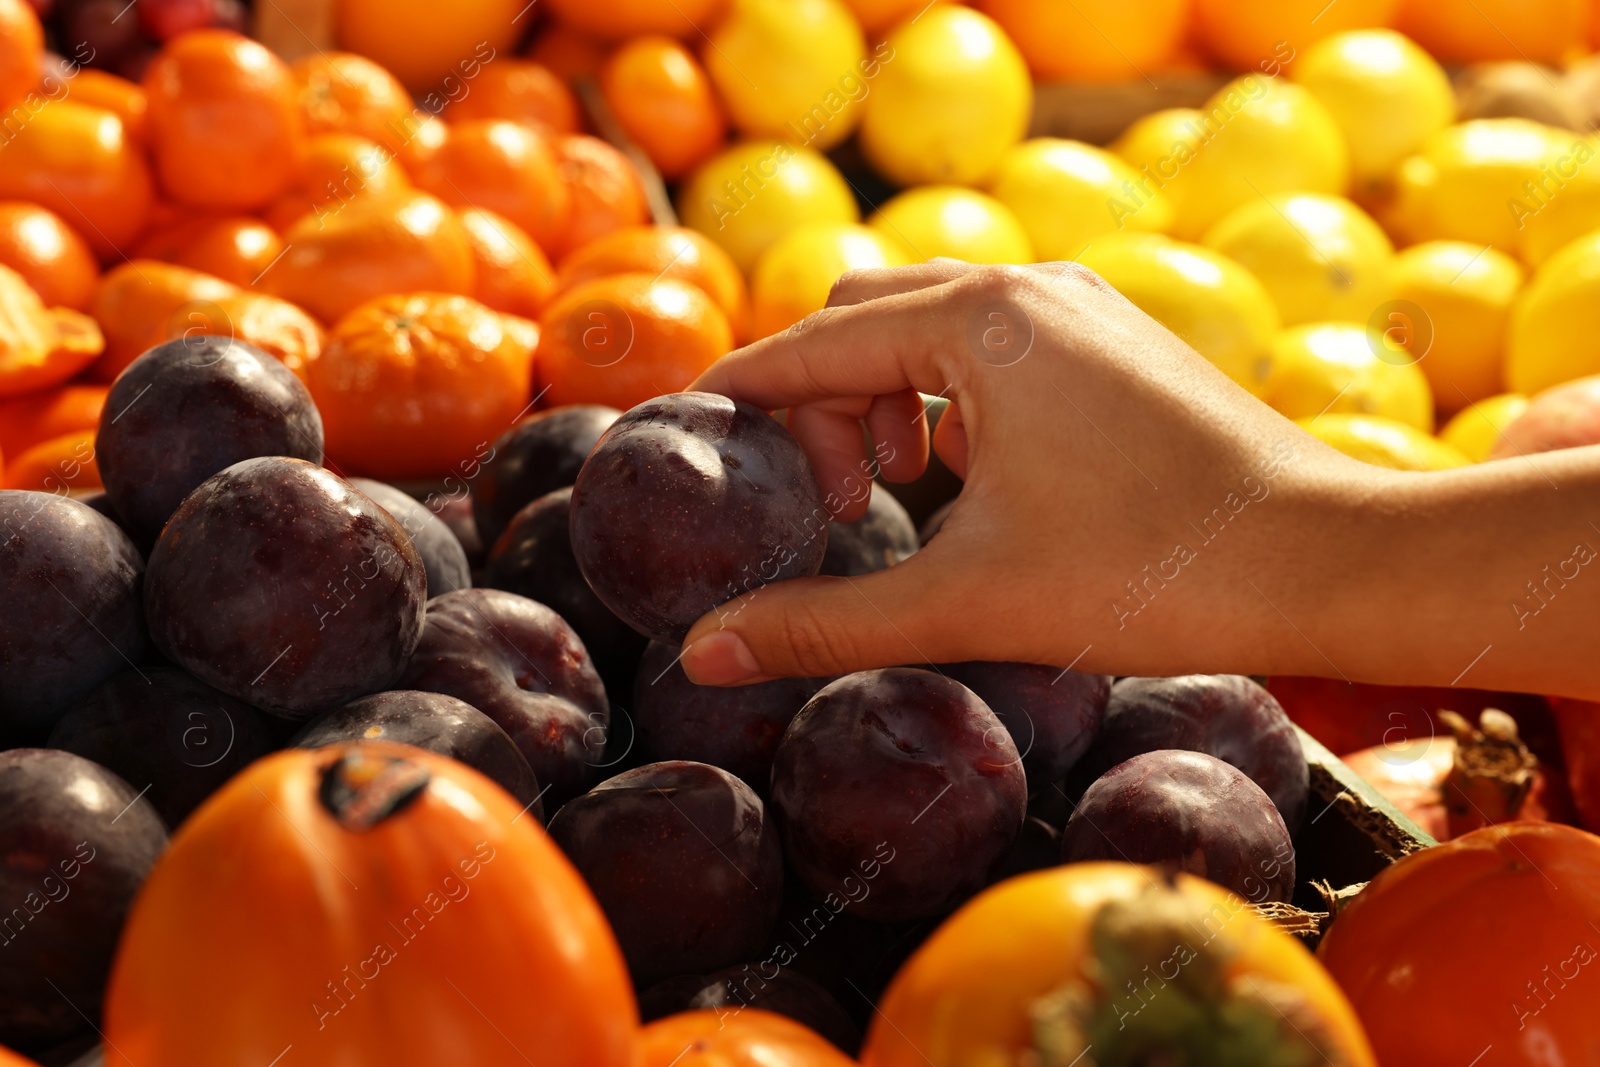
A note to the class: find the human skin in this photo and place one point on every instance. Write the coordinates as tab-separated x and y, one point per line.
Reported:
1108	447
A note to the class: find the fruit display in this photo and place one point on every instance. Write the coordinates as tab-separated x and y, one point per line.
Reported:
361	498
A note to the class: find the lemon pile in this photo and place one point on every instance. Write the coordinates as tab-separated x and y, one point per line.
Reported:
1328	235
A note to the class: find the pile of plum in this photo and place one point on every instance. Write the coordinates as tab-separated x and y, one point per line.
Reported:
784	844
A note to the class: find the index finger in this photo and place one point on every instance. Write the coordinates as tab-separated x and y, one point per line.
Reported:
872	349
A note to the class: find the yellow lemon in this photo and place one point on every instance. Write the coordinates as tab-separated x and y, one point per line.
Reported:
747	196
1322	258
1384	442
794	276
1385	94
1258	136
1564	205
1555	325
1220	309
1332	367
1464	293
1476	428
1471	181
1067	193
793	69
946	220
1158	145
951	95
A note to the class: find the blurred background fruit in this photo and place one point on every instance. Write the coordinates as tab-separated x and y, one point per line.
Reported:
340	92
54	261
1092	40
618	19
1256	137
953	98
663	252
513	275
747	196
1384	93
411	386
603	190
794	276
237	250
1383	442
519	90
1215	305
80	163
1466	181
1322	258
1563	416
1323	368
371	247
621	339
40	346
1555	325
1465	293
21	50
1067	193
511	169
664	101
138	302
948	220
793	69
225	124
1257	34
1476	429
421	43
1464	31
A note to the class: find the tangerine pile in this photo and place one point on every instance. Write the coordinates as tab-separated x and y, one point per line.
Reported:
1332	228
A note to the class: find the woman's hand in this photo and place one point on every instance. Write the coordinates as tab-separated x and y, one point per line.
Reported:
1126	509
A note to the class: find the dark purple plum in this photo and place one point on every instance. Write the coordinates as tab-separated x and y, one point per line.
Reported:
455	511
436	722
533	558
1223	715
1188	810
766	986
537	456
878	540
736	728
189	408
76	842
444	561
1037	847
688	501
900	780
101	503
159	728
684	860
70	613
280	584
935	522
519	663
1053	714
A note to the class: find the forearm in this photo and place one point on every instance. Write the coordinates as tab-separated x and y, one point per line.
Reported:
1485	577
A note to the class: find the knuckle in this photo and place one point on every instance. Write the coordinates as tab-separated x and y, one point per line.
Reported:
995	281
815	648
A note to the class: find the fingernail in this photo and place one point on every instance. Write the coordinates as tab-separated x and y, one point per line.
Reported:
719	658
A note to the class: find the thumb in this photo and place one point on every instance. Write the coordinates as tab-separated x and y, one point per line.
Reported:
818	627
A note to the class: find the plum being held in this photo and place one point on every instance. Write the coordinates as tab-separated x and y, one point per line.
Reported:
1192	811
278	583
897	791
688	501
69	586
684	860
1224	715
189	408
76	841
